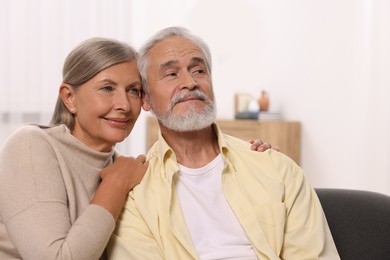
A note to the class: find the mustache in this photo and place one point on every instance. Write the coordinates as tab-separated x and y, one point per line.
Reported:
182	96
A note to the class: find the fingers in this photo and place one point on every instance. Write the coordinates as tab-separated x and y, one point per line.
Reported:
263	147
255	144
129	170
260	146
141	158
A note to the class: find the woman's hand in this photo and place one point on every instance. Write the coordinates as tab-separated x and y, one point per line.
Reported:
117	180
126	170
260	146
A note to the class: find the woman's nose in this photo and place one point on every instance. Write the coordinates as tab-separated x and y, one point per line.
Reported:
121	101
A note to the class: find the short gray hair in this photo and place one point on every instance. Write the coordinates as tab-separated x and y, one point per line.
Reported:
144	62
85	61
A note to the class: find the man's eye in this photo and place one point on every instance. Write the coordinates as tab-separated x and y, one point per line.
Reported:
200	71
171	74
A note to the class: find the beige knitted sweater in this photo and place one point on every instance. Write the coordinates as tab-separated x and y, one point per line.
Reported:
47	180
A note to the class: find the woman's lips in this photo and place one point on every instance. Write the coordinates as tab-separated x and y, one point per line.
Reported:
116	122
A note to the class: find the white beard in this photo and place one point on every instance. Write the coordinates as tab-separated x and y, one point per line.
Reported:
192	119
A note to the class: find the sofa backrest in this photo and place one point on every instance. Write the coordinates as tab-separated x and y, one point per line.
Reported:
359	222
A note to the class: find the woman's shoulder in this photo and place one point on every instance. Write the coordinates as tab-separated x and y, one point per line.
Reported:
29	134
24	133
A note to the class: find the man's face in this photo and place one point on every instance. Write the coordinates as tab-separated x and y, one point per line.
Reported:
179	86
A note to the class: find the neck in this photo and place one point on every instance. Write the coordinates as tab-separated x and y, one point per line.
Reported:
193	149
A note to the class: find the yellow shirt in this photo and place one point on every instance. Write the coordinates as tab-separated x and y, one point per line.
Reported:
276	206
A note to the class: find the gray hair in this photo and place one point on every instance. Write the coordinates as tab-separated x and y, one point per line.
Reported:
85	61
144	62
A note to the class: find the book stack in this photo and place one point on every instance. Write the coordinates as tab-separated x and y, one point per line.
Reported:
247	115
269	116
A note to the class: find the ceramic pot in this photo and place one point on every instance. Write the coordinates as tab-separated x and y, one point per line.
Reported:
263	101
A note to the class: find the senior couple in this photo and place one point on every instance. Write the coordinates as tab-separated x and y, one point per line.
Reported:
205	194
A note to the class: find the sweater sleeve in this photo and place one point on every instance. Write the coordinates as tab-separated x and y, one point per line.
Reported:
33	204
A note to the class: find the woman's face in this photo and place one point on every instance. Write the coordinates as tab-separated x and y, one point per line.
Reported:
107	106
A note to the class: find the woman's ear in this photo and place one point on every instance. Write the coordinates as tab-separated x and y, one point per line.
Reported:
67	95
145	102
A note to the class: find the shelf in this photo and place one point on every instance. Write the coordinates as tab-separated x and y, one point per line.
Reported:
284	134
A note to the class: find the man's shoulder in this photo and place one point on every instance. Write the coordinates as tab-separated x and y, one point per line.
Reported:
242	146
153	150
269	161
235	140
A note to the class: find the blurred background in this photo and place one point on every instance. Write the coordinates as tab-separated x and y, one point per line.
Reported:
324	63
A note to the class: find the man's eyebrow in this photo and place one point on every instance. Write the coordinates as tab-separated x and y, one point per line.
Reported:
197	60
167	64
171	63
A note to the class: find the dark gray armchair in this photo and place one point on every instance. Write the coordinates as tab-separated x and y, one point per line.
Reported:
359	222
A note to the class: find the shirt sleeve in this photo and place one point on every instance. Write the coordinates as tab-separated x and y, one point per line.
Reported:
132	238
307	234
33	203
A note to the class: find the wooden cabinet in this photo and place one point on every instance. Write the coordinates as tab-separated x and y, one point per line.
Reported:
284	134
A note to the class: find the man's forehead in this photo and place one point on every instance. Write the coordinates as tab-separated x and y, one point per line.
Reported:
175	48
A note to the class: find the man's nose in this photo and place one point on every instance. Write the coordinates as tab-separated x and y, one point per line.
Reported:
189	81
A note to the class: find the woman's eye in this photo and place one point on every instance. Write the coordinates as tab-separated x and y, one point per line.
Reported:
107	88
135	92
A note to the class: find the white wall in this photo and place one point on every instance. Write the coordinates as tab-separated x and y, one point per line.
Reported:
325	63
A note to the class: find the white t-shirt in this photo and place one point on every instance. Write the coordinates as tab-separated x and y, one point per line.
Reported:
215	230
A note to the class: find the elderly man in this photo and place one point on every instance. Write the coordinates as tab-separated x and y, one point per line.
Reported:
205	194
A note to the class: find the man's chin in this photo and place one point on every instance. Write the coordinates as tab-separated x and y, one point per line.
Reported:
188	120
187	126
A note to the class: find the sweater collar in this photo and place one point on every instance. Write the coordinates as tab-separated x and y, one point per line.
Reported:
74	145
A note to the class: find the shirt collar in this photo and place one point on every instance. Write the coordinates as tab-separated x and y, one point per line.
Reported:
168	158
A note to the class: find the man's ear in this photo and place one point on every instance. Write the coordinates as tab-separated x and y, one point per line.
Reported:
68	97
146	102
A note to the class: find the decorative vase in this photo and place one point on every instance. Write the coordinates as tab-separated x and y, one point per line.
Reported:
263	101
